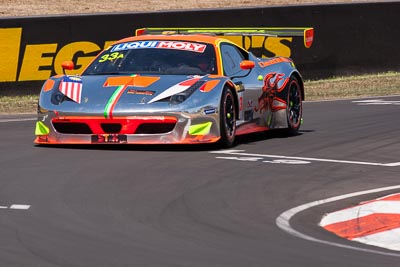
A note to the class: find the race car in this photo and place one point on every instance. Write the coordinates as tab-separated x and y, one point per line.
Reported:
173	86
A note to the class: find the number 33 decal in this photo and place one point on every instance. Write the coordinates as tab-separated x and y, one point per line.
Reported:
111	56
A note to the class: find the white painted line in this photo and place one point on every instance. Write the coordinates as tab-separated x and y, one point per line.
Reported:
394	164
19	207
376	102
240	153
3	207
368	101
287	161
348	99
241	158
17	120
283	220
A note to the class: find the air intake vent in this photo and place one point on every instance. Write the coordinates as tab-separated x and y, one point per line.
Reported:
111	127
155	128
72	128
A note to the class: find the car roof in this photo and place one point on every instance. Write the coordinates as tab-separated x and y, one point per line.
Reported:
210	39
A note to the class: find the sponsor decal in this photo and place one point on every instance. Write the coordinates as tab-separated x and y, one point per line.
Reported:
187	46
267	63
134	45
210	111
200	129
71	86
122	83
133	80
109	138
176	89
41	129
271	87
111	57
194	47
110	105
35	61
140	92
209	85
264	46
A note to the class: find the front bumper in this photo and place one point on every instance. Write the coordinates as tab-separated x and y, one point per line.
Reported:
168	128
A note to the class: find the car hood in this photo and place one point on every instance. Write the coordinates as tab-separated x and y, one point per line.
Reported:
105	93
136	88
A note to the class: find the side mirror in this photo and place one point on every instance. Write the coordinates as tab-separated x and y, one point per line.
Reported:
247	64
67	65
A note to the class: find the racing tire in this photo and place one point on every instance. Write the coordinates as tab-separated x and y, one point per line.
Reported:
227	116
294	108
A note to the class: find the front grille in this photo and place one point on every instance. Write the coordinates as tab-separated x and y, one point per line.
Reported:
155	128
142	125
72	128
111	127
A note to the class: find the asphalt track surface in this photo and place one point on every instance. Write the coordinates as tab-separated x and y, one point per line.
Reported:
185	206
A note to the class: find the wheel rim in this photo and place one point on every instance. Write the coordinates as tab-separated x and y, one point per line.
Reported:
229	115
294	105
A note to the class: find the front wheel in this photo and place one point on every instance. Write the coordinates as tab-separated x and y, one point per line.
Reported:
227	118
294	108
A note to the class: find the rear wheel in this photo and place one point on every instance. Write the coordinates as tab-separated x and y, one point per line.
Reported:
294	109
227	118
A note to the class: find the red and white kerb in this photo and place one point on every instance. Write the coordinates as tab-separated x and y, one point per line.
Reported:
375	222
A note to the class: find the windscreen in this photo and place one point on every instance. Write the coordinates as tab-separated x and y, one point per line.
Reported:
155	57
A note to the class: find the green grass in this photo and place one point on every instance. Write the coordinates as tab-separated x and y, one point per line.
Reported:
381	84
18	104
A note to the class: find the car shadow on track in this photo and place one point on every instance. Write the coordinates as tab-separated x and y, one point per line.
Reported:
243	139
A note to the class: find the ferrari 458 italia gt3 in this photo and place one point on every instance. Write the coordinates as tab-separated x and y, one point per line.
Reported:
173	86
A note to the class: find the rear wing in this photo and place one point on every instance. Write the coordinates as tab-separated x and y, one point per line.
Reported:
307	33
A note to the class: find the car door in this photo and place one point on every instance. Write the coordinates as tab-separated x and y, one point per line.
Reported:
247	84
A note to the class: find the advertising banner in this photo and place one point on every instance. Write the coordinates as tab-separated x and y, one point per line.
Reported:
349	38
